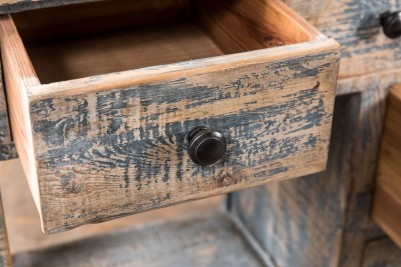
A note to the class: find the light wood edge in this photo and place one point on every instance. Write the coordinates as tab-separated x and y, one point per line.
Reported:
19	74
386	210
296	19
383	212
244	25
125	79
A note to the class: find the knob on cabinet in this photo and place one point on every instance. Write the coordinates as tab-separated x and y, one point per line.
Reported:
391	23
206	146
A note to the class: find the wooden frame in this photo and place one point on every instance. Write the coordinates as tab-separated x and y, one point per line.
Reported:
354	239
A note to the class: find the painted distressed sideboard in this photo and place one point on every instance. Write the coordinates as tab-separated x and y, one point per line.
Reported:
118	107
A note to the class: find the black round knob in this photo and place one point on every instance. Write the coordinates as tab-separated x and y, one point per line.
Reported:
206	146
391	23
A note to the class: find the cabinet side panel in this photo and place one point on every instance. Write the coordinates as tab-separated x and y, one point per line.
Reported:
308	212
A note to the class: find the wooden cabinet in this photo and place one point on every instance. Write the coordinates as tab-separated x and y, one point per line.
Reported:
102	97
101	128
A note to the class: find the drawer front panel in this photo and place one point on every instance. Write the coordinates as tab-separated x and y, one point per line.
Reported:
356	26
105	146
106	154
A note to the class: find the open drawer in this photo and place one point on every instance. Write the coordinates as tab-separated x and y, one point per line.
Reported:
104	95
387	200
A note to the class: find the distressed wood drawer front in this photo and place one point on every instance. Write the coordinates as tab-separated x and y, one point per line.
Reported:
355	24
387	201
100	116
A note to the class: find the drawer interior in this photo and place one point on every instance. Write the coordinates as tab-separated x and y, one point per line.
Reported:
83	40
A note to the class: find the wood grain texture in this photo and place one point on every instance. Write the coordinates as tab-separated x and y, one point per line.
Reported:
307	212
379	81
103	147
359	227
355	25
346	227
211	239
5	256
387	203
123	151
123	50
381	252
7	147
19	75
68	43
252	24
23	222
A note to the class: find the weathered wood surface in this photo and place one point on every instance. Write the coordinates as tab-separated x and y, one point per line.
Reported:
381	252
18	76
106	154
23	222
123	151
211	239
339	201
102	147
7	147
355	25
387	203
5	256
359	227
74	43
378	81
307	212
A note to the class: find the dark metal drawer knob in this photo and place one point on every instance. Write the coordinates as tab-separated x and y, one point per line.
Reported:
206	146
391	23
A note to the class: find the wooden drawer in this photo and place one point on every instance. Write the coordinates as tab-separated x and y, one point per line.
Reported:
101	110
355	24
387	201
